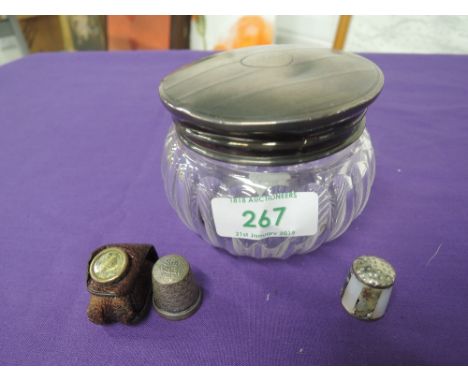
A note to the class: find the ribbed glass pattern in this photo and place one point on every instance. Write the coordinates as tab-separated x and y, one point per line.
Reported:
342	181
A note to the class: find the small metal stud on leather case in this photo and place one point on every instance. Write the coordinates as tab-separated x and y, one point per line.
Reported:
368	287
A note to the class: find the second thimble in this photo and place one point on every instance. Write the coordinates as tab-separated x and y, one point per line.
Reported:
368	287
175	293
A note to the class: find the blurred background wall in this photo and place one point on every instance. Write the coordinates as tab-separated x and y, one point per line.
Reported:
21	35
386	34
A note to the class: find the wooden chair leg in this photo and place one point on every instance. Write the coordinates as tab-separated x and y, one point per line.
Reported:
341	32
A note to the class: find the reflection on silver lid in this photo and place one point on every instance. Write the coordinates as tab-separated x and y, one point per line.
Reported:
374	271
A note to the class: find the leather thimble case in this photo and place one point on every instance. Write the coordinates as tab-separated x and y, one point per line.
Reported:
119	282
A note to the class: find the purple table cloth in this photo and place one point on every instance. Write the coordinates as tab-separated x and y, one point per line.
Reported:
80	147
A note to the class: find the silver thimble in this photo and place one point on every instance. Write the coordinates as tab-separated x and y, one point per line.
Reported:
366	292
175	293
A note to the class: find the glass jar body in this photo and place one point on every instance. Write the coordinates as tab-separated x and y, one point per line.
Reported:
342	182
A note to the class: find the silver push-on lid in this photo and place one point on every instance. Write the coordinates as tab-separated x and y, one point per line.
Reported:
274	104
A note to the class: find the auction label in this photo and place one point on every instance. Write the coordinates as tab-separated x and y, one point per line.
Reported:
285	214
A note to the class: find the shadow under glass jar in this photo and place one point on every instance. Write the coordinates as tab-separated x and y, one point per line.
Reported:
268	155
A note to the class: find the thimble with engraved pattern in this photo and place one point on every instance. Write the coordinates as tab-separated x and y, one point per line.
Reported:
366	292
175	293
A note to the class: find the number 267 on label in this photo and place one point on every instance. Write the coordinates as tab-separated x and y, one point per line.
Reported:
266	219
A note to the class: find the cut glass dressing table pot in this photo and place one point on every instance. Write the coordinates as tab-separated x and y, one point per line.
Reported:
268	154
